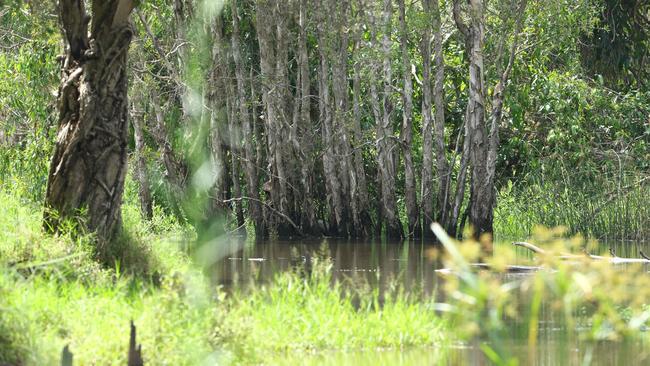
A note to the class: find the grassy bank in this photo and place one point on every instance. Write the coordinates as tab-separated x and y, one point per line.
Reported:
54	293
607	210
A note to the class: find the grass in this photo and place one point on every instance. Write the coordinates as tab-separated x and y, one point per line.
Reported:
607	211
293	314
182	318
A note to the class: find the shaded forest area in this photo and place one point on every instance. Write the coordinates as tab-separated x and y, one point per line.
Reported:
349	118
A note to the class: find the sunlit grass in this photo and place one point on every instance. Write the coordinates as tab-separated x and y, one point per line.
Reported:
306	314
182	318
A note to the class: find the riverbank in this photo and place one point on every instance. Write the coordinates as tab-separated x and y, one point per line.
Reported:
54	293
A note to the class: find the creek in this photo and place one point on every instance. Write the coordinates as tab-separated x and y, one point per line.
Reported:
380	264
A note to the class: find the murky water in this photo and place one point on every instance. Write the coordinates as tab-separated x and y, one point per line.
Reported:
378	264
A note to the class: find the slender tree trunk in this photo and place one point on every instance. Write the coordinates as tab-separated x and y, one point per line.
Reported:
481	192
363	202
387	147
257	126
273	60
236	182
90	158
480	204
306	148
254	209
341	127
285	158
412	210
332	182
426	182
144	191
217	98
442	165
497	103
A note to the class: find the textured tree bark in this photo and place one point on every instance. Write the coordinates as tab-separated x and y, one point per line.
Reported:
254	209
426	181
482	148
270	31
89	164
285	161
412	210
306	149
442	166
426	178
364	227
332	183
341	128
481	213
480	204
386	149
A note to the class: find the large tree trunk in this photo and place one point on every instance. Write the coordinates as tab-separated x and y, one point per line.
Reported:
412	210
90	159
480	214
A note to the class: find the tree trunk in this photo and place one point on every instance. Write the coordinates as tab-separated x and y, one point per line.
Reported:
386	149
332	182
144	191
254	209
274	83
308	221
412	210
90	159
426	181
217	98
361	189
480	214
341	128
442	165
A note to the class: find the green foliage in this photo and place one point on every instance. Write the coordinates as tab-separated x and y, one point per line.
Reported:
28	80
583	298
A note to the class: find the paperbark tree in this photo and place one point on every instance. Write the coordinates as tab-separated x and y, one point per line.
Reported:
89	164
385	138
412	210
244	115
481	140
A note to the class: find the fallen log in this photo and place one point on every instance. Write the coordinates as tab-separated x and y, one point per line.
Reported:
613	259
488	267
564	256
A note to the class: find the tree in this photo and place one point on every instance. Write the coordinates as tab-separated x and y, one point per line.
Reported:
89	164
482	141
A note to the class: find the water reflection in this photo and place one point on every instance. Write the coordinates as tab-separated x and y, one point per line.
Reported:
549	352
374	263
379	264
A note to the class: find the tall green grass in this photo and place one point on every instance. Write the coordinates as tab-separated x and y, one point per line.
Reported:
53	292
607	210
